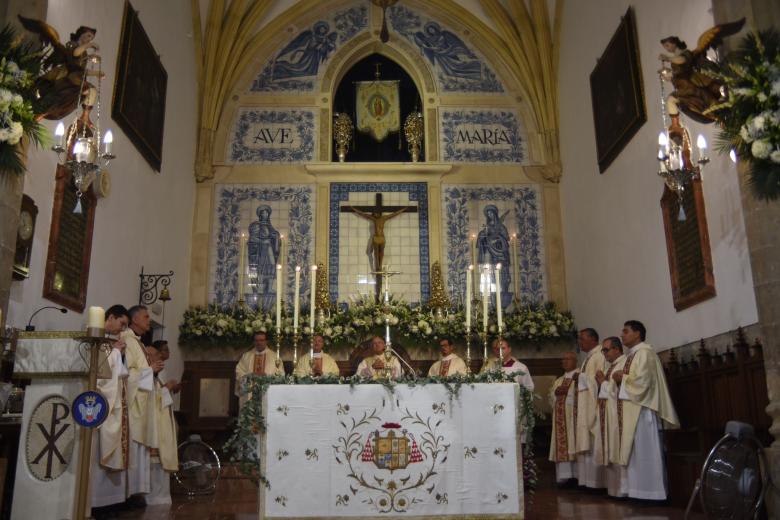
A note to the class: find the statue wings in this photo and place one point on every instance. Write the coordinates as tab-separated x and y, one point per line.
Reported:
713	37
49	37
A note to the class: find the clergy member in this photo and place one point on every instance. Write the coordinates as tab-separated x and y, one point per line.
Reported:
450	363
376	366
510	365
606	443
323	364
110	454
492	363
171	384
589	474
644	407
164	458
140	384
563	400
260	361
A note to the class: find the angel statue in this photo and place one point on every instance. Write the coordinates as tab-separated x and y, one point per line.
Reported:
694	91
64	81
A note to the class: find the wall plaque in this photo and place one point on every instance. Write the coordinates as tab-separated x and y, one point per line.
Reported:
688	247
70	245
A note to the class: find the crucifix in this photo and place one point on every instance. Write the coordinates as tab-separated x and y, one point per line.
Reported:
378	214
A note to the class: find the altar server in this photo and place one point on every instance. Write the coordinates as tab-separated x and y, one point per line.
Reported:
563	400
589	473
323	365
644	407
450	363
510	365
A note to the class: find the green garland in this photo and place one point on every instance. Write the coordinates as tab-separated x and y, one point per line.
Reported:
750	118
242	444
216	326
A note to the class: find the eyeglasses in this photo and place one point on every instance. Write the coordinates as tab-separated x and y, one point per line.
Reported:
605	350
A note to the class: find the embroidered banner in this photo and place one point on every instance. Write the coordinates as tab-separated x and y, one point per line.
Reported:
378	108
364	452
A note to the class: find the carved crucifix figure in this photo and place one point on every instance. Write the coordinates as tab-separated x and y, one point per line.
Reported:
378	215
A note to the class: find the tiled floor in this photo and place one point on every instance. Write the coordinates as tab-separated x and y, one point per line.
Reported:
236	500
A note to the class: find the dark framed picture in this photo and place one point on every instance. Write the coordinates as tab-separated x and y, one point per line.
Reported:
139	93
617	94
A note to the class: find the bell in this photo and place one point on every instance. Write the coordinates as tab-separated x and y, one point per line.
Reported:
165	294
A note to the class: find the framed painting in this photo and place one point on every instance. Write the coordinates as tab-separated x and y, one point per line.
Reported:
617	94
140	89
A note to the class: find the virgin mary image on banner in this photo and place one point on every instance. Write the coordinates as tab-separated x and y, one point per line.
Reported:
378	111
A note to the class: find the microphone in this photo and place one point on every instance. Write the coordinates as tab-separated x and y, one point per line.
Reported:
30	327
412	371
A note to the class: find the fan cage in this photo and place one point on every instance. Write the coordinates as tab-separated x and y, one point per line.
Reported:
193	455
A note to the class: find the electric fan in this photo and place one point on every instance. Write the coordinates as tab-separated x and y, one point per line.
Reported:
199	467
734	476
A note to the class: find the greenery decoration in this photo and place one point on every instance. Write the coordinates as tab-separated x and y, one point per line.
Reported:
213	326
242	444
20	65
750	117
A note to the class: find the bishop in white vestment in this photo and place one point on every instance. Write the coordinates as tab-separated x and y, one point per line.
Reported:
589	474
644	407
563	400
377	366
450	363
260	361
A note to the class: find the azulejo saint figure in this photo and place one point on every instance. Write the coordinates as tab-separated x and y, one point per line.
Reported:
263	248
493	248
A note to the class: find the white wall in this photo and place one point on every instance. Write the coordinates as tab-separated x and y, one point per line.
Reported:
147	219
616	260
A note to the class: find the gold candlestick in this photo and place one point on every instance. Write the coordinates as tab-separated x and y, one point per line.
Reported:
468	350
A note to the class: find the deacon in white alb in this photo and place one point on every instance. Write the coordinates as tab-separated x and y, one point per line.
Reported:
110	453
644	407
510	365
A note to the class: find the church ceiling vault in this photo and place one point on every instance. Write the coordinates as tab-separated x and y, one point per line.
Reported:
305	50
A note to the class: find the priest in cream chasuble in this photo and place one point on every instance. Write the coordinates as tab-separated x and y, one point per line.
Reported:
589	473
644	407
606	448
378	108
563	400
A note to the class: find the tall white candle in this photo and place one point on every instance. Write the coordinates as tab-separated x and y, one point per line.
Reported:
516	268
297	303
469	274
311	297
96	318
485	295
499	311
278	296
241	265
476	272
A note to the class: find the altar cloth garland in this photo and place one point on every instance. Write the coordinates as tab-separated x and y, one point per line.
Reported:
243	449
215	326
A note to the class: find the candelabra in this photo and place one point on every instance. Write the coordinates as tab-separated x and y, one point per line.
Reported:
676	166
296	338
82	145
468	350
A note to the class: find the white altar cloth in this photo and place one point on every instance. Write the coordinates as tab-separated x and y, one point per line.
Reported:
340	451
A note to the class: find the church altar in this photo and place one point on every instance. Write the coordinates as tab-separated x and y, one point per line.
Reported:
408	452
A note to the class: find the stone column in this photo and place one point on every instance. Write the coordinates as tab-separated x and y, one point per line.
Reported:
762	220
